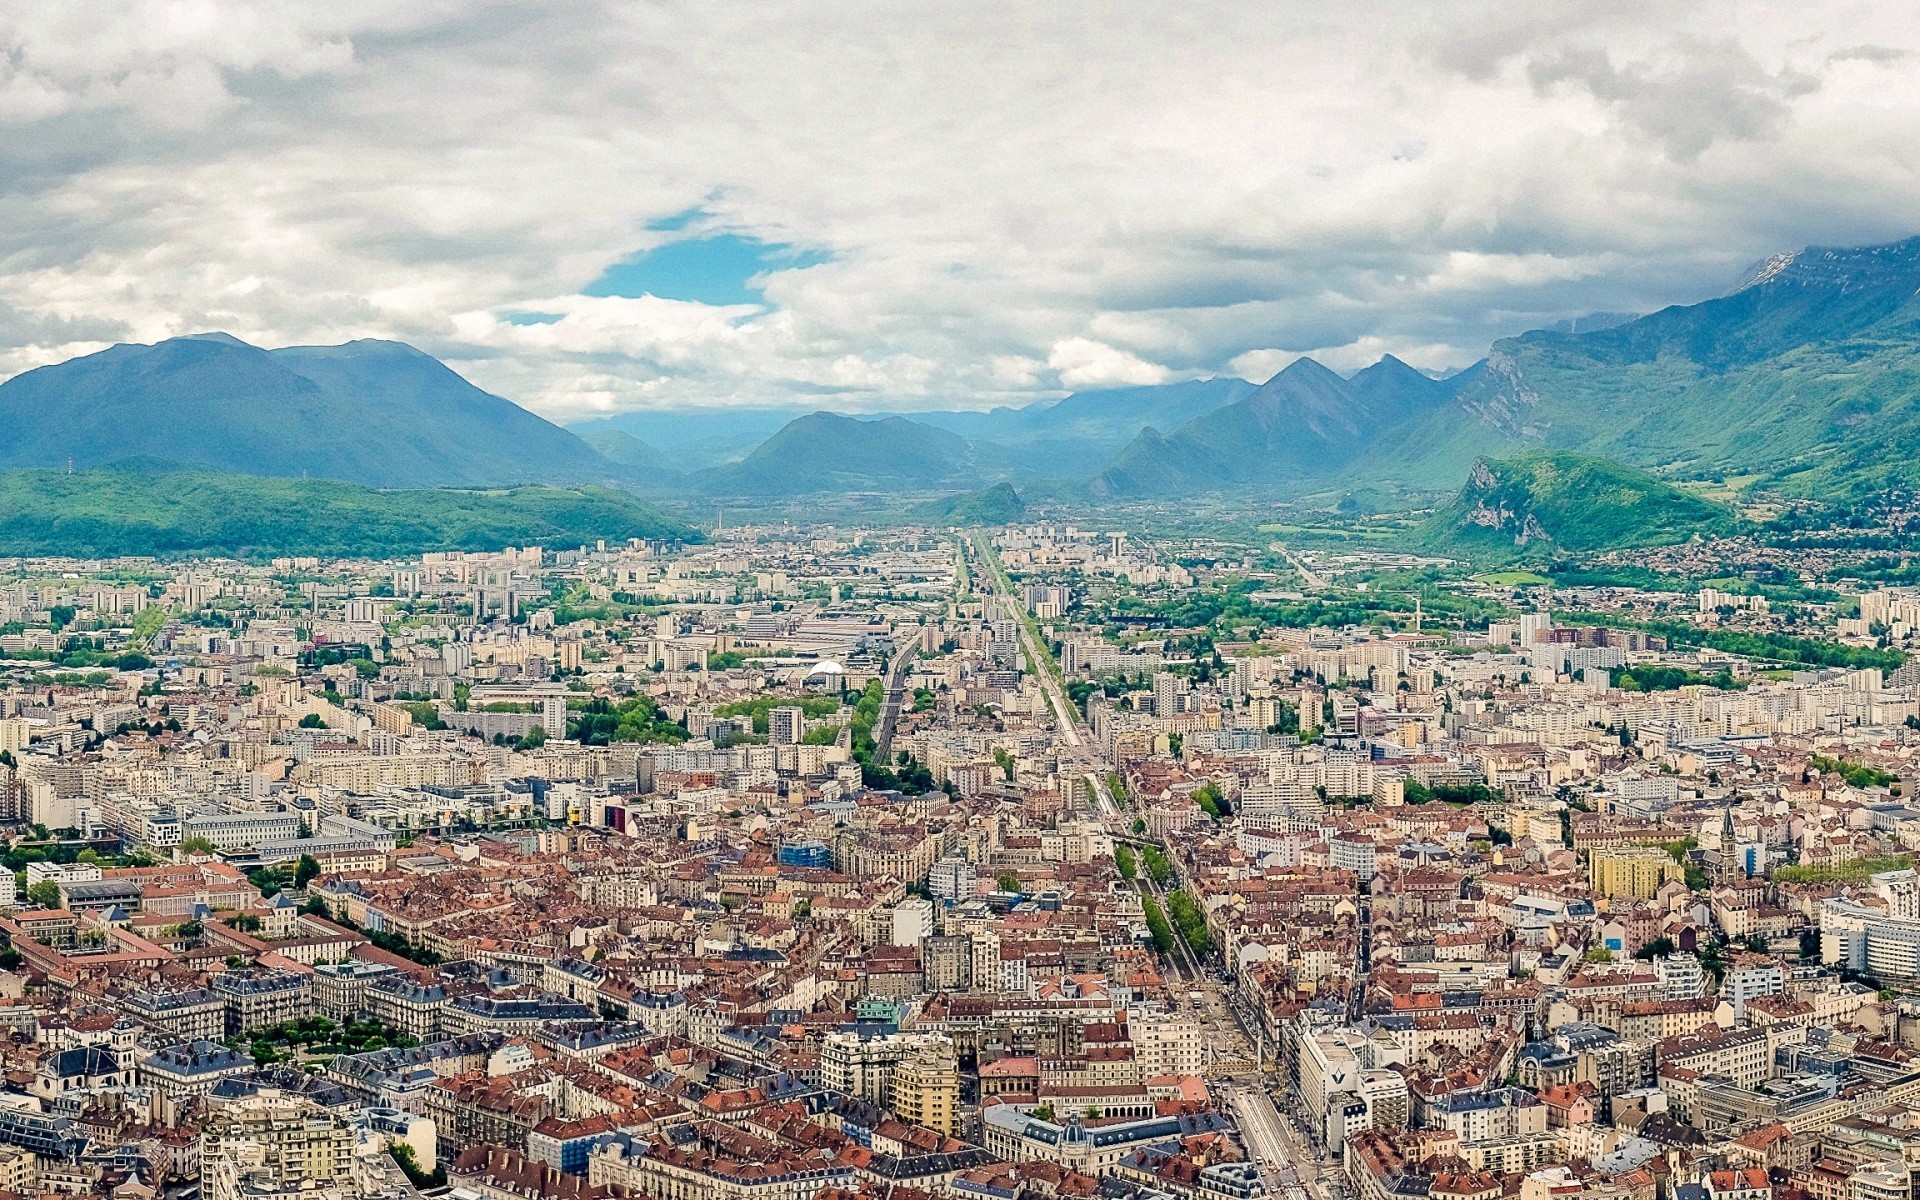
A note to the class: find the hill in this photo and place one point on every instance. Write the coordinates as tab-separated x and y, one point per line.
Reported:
1807	377
825	451
112	512
997	505
618	446
1302	425
1534	506
372	412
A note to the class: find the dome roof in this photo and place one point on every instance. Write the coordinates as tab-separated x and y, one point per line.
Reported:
826	667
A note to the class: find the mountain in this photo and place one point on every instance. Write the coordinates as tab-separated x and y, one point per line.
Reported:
119	511
1301	425
825	451
997	505
370	412
696	437
1077	435
619	446
1805	378
1535	505
1067	438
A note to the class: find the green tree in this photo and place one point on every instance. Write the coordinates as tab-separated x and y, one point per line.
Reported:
1157	925
312	721
1210	800
305	871
535	738
1005	762
1659	947
46	894
198	845
1008	882
1123	858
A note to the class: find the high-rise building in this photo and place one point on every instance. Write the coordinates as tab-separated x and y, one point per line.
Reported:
786	725
926	1088
1168	693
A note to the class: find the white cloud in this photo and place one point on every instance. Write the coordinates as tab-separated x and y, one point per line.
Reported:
1085	364
1015	199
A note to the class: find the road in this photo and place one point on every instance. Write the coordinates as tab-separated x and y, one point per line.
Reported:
1233	1048
1314	581
1289	1168
890	702
1292	1170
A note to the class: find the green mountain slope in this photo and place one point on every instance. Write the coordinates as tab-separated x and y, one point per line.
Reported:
113	512
1536	505
997	505
619	446
828	452
372	412
1807	377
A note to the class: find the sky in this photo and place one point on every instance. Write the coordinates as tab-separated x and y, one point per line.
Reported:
592	208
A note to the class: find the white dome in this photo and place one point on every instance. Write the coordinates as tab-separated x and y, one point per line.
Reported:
828	667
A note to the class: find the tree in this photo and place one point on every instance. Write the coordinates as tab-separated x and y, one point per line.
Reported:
312	721
1659	947
1157	925
1209	798
197	845
1008	882
536	737
1124	859
305	871
46	894
1158	868
1005	762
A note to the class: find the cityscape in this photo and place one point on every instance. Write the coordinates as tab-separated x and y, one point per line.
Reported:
827	862
874	600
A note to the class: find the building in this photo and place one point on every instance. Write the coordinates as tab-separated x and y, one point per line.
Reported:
294	1141
864	1066
786	725
1631	872
260	999
190	1012
925	1087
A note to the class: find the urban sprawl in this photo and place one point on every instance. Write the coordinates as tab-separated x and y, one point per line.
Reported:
838	864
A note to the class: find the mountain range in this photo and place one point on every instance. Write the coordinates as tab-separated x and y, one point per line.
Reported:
1802	380
370	412
1299	427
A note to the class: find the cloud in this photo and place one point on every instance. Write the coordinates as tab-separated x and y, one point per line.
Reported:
1086	364
1878	55
988	203
1687	96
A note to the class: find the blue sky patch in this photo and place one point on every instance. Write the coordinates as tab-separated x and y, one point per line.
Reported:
718	269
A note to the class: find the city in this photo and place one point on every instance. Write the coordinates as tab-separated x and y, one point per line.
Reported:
873	600
821	862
